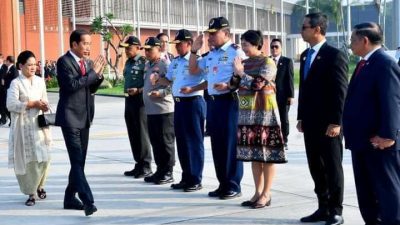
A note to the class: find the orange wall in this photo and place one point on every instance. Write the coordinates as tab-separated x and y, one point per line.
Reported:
6	28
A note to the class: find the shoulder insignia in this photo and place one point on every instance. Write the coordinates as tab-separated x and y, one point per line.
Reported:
235	46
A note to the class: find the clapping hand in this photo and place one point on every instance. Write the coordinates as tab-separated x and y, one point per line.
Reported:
99	63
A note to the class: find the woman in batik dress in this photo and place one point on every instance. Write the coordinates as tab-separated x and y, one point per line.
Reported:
259	137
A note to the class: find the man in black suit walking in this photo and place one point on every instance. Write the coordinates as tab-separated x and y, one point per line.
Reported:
284	85
323	86
78	80
3	70
10	74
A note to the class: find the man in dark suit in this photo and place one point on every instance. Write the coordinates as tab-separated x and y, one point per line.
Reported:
284	85
3	70
371	125
323	85
10	74
78	80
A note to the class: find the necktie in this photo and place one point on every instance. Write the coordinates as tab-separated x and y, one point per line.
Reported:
82	66
360	65
308	62
275	60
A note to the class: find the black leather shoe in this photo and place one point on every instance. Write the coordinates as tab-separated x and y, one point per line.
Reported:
164	179
74	204
90	209
152	178
142	173
193	188
180	185
317	216
230	195
130	173
334	220
215	194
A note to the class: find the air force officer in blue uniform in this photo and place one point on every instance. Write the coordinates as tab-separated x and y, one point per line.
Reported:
223	106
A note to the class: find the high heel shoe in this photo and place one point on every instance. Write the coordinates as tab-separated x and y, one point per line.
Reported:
248	203
259	205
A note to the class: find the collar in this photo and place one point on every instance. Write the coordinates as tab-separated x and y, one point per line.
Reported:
187	56
366	57
75	57
318	46
137	57
277	57
225	46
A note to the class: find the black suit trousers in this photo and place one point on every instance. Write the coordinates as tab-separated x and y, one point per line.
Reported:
136	124
162	138
76	141
3	108
324	156
284	116
377	178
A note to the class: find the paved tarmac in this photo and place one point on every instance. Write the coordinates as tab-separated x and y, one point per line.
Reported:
124	200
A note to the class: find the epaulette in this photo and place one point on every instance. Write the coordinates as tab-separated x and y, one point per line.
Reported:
235	46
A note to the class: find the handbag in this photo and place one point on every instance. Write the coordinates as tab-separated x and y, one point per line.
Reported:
47	119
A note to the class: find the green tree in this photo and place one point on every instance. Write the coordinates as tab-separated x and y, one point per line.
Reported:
104	26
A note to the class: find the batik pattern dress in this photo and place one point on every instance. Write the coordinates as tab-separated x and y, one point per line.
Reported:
259	136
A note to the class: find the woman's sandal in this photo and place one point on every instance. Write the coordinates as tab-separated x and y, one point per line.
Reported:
30	202
41	193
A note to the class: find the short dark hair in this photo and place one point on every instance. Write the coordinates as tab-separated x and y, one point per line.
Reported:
76	36
23	57
161	34
254	37
277	40
318	19
370	30
11	59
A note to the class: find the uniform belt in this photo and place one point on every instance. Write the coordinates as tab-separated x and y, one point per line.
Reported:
230	95
182	99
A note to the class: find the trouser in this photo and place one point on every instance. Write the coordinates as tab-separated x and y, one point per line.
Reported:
324	156
377	178
162	138
136	124
76	141
223	120
189	130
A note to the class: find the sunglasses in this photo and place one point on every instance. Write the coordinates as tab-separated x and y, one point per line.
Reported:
274	46
305	27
